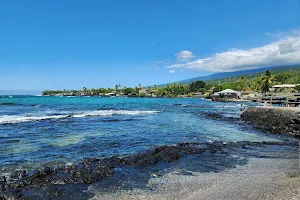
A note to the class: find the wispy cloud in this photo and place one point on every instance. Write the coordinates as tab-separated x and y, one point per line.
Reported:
276	34
162	62
284	51
172	71
184	55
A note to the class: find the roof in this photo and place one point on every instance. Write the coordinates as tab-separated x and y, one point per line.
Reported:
228	91
111	93
285	86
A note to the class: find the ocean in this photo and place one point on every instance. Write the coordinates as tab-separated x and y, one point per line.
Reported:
37	131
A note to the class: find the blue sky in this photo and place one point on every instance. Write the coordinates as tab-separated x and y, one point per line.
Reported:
69	44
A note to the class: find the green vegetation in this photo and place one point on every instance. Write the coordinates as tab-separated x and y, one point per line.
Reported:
258	82
195	86
168	90
297	88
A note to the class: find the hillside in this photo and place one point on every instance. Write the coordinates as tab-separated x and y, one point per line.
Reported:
255	80
227	76
293	73
258	81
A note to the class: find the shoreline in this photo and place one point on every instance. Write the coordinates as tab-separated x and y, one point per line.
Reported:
80	178
260	178
205	98
93	171
282	120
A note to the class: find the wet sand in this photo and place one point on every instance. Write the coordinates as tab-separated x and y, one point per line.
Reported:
260	178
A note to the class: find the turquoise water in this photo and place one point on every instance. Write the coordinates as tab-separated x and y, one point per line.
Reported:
37	131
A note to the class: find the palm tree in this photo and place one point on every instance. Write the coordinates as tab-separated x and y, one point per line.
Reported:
241	84
257	84
85	90
267	80
268	73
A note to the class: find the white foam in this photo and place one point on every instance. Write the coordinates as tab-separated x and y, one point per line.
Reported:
226	106
11	119
112	112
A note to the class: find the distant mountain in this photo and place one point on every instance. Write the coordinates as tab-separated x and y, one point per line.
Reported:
222	75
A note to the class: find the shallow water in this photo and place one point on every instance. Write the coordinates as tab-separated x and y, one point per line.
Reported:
37	131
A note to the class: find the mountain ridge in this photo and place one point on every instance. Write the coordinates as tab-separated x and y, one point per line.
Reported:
223	75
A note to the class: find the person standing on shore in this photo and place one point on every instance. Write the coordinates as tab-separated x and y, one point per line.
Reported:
243	107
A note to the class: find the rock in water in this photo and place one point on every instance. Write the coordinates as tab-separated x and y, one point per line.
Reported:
274	119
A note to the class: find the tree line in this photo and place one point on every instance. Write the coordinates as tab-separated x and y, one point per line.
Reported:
167	90
261	83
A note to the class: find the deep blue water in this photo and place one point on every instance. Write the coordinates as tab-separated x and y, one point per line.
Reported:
37	131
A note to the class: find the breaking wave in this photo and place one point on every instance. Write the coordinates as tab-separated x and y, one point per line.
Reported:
227	106
11	119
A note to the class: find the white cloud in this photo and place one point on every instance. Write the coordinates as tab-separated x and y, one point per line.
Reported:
276	35
285	51
172	71
184	55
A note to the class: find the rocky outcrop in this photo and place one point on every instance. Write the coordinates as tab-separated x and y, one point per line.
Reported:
92	170
274	119
52	183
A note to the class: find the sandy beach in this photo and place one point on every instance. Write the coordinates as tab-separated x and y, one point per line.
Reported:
261	178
